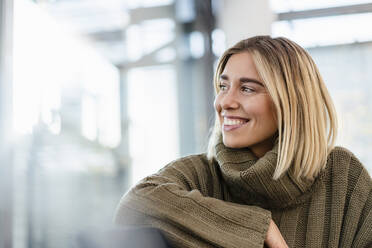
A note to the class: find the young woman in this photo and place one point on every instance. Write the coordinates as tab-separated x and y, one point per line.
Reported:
272	175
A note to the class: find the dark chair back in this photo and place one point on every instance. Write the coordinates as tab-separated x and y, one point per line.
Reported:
122	237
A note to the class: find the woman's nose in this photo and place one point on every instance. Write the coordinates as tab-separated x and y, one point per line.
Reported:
229	100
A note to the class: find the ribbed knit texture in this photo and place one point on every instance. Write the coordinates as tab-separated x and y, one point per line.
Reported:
229	203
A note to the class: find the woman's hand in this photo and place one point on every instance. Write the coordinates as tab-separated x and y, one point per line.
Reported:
274	238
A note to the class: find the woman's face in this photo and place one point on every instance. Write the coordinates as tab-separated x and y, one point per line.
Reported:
244	107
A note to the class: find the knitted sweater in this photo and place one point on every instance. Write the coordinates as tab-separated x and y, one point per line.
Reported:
229	202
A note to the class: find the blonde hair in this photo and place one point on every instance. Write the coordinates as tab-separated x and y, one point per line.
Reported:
307	122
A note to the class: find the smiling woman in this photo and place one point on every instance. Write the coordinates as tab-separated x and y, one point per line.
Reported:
301	110
272	175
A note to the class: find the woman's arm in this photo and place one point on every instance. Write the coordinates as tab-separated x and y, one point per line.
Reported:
176	200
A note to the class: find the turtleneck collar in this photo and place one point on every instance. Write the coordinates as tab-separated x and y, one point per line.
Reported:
250	179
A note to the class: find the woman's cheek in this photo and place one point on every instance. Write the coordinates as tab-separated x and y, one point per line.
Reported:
217	105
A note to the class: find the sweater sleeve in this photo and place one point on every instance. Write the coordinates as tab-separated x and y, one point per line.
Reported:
178	201
363	237
357	221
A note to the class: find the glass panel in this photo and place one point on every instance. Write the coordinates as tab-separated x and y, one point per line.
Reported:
218	42
152	110
52	67
166	55
157	33
148	36
66	121
350	88
196	41
89	16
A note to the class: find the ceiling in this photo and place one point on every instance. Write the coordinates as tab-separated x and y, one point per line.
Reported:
101	22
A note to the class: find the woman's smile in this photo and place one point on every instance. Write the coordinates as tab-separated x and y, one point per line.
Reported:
232	123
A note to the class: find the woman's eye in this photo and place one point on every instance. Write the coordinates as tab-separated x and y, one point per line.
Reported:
222	87
247	89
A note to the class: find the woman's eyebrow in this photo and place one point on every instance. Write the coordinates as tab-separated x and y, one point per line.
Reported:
224	77
243	80
251	80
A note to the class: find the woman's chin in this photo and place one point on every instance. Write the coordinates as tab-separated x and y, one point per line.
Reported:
233	144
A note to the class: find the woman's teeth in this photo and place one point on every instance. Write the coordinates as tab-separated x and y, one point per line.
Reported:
228	121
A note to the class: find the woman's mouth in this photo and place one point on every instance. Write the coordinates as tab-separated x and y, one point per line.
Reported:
232	123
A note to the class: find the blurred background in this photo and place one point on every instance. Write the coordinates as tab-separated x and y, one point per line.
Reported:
95	95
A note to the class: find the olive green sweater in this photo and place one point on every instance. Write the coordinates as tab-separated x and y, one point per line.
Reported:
229	202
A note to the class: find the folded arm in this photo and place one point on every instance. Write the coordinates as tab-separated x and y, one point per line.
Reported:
176	201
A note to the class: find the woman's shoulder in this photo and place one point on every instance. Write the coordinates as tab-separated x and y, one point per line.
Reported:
190	160
343	151
193	158
343	166
195	163
342	156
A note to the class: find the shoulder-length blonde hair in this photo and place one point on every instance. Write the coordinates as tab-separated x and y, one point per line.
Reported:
307	122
